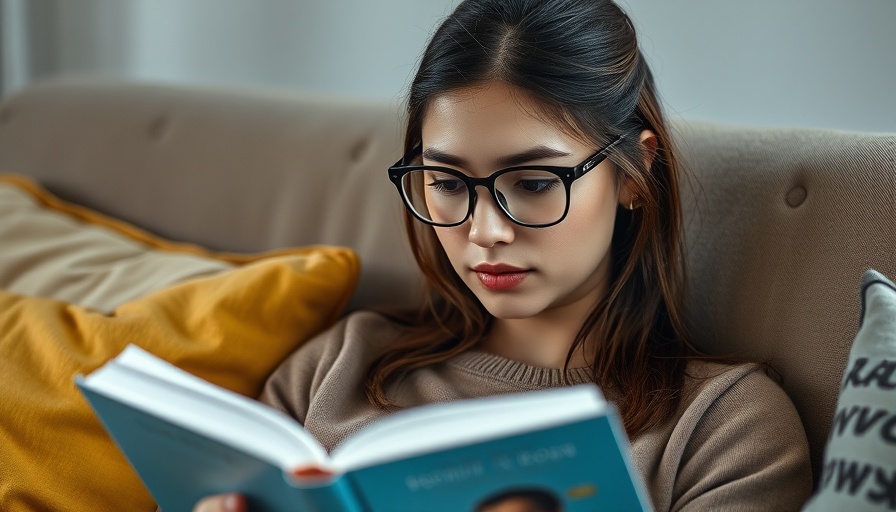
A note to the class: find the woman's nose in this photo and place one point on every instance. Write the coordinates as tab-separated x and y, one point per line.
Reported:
488	224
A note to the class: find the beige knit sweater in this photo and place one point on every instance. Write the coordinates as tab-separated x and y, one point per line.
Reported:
736	444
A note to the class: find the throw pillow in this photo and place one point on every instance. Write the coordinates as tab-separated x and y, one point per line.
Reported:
231	327
46	250
860	458
52	248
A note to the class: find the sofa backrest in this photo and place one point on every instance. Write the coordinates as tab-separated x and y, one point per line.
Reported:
780	229
233	171
781	223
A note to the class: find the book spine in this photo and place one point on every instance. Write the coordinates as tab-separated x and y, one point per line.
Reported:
337	496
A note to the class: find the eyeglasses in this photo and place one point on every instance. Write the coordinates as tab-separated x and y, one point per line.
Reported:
535	196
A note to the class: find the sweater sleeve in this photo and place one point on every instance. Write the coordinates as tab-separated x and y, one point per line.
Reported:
747	449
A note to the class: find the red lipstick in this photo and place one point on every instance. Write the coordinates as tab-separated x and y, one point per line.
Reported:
500	277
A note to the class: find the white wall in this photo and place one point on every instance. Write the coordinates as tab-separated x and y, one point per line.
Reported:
354	47
821	63
824	63
13	44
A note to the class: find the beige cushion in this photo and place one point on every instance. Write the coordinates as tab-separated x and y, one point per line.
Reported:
45	252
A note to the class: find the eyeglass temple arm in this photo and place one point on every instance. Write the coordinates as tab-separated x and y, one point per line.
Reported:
410	154
600	156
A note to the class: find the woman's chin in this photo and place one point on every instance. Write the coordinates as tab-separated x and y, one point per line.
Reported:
510	308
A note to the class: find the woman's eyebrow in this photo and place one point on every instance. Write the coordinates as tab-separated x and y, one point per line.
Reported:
442	157
535	153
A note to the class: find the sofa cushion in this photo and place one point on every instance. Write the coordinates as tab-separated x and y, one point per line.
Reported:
860	459
231	327
50	248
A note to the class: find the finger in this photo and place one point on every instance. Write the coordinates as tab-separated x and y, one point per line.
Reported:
222	503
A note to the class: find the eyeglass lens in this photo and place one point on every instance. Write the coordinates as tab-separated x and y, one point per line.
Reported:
529	196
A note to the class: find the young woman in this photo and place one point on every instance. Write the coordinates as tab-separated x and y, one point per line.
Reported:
541	187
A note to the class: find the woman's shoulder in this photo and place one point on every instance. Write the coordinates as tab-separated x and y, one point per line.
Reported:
367	317
737	408
706	382
733	392
740	426
372	327
736	435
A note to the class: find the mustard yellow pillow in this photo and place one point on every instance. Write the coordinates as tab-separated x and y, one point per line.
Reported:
232	327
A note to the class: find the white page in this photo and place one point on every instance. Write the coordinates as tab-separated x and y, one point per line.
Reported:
151	384
441	426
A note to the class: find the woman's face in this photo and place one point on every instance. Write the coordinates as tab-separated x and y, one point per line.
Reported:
515	271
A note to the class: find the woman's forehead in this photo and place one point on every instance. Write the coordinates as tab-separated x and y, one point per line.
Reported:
483	101
494	116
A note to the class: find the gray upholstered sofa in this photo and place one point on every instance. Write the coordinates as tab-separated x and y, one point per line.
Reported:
781	223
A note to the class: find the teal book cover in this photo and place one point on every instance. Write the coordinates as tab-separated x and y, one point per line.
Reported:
554	450
577	467
180	466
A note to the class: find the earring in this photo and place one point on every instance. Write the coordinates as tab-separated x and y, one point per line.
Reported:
631	201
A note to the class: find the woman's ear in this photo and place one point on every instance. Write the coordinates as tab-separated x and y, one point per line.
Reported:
628	195
649	144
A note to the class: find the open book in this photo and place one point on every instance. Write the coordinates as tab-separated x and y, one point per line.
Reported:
558	449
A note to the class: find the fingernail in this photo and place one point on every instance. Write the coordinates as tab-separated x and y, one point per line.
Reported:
232	503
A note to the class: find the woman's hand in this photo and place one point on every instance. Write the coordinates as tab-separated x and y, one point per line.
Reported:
222	503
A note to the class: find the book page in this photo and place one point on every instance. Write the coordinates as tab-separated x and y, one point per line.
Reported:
157	387
442	426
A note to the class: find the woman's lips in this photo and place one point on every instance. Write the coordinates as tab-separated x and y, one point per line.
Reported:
500	277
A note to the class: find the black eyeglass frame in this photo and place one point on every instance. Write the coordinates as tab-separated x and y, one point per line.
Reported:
566	174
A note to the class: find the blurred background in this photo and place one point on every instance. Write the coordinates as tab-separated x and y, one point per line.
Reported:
813	63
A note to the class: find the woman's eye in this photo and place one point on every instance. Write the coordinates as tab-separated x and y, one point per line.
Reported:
447	185
537	186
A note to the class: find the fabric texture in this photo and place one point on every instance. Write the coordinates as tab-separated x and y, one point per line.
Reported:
725	450
232	328
49	248
781	224
860	458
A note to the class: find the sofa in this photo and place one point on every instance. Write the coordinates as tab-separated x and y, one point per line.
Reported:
780	223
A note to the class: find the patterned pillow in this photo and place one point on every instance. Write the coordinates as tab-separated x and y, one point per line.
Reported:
860	459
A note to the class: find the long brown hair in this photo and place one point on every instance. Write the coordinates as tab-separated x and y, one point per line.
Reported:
580	59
